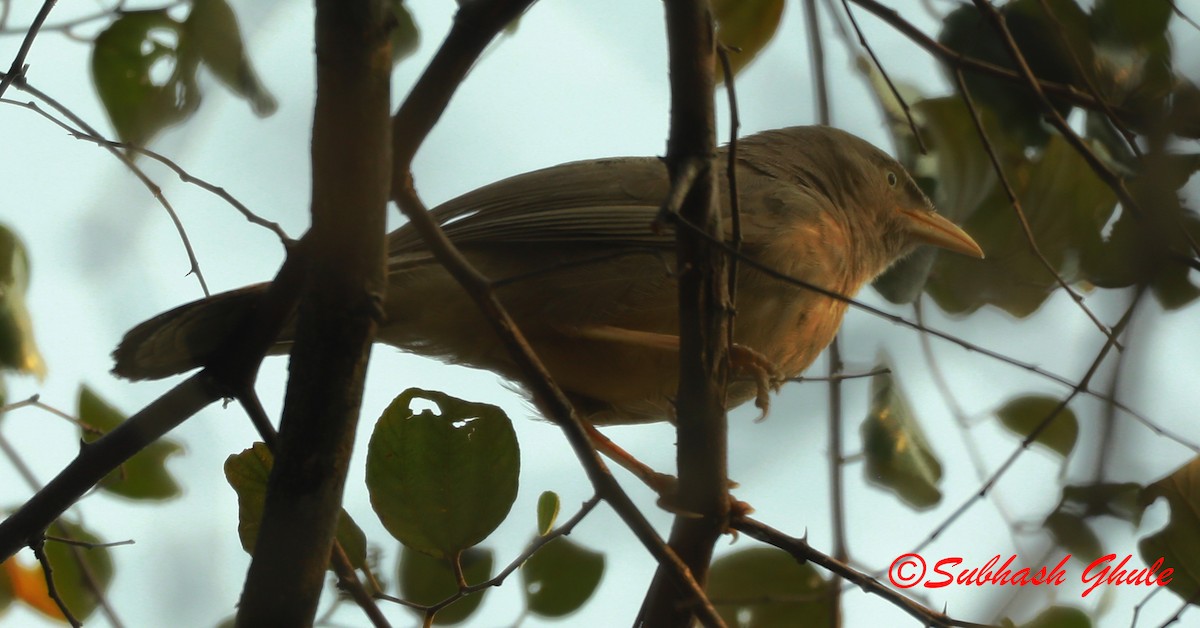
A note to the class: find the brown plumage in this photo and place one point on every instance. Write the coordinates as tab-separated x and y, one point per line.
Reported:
590	282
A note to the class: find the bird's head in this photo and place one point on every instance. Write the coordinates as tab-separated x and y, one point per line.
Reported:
884	208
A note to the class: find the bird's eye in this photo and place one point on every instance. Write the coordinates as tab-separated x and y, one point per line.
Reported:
892	179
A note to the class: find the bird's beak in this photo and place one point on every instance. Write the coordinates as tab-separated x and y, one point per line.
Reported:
928	227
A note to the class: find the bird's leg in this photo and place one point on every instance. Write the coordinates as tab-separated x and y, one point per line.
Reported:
661	483
742	359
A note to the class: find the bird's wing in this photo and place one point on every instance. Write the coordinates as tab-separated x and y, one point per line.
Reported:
612	201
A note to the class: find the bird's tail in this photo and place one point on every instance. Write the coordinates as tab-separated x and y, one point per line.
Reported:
185	337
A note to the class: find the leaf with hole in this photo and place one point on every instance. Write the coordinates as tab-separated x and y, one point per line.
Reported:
141	78
766	587
442	483
427	580
560	577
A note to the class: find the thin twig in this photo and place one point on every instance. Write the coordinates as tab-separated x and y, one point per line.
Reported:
912	124
86	545
1015	203
39	551
497	580
1086	76
16	71
802	551
957	59
1102	170
154	189
965	344
1031	436
476	24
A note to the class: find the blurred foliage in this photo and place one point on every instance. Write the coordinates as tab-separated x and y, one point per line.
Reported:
898	456
560	577
18	351
764	587
144	476
248	472
427	580
145	64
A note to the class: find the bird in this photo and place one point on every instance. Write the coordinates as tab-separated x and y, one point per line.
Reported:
577	259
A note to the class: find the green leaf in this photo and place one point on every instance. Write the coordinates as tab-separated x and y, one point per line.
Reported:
1177	543
547	512
428	580
1122	22
898	456
765	587
560	577
145	475
18	351
1066	205
405	36
1022	415
1114	499
1045	46
247	473
1073	533
73	587
442	483
124	55
747	26
211	34
1058	617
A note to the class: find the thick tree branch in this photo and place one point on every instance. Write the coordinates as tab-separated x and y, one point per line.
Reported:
337	317
701	450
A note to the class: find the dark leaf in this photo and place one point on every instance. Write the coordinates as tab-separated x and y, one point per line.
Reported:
1177	543
405	36
18	351
69	579
139	101
211	35
442	483
1066	206
145	475
1057	617
247	473
428	580
1073	533
560	577
745	26
765	587
1120	500
898	456
1023	415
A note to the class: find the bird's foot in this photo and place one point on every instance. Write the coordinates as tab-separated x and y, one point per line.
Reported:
766	375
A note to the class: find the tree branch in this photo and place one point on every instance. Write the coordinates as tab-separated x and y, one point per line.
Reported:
339	311
704	306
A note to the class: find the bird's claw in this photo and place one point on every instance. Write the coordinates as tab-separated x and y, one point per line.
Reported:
767	376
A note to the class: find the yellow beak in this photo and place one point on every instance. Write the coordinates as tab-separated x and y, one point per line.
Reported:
928	227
